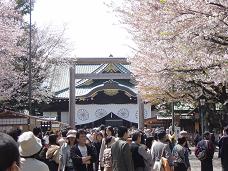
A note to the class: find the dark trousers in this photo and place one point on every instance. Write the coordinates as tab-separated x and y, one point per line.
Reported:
224	164
69	169
179	167
52	165
206	165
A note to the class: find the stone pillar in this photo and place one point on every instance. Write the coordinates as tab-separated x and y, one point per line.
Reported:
72	98
141	112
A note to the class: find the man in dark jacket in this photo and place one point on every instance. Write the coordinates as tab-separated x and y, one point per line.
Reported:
121	154
206	163
83	156
138	160
223	149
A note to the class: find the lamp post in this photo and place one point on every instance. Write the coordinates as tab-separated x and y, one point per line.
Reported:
202	102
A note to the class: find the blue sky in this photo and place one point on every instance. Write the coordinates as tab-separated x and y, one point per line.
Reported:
90	25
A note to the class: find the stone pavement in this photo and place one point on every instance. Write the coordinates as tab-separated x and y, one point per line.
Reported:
195	163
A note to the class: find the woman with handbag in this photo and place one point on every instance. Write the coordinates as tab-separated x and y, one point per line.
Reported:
52	154
160	152
105	151
180	154
65	163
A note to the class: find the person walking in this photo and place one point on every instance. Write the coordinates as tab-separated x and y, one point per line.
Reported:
105	150
63	137
82	155
197	138
97	144
148	163
52	154
65	162
89	142
180	154
185	134
121	154
205	152
139	153
223	149
160	149
9	153
29	148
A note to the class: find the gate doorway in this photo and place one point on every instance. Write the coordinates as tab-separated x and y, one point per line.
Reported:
114	122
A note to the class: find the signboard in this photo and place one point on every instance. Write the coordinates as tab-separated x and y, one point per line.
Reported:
55	125
14	121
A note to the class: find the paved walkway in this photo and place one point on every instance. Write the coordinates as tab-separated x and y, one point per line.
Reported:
195	163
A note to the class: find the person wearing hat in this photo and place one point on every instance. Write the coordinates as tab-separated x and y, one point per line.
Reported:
184	133
160	149
9	154
65	163
89	139
29	147
90	142
206	145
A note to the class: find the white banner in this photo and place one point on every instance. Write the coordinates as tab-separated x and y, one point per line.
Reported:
92	112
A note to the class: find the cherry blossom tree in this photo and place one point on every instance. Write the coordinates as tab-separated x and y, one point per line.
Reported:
49	47
10	32
181	47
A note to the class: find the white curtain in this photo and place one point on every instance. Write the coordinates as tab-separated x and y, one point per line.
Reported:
92	112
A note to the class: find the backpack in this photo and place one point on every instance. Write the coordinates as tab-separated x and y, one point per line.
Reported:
201	151
107	157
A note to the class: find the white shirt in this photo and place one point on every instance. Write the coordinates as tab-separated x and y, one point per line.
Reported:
46	139
83	150
31	164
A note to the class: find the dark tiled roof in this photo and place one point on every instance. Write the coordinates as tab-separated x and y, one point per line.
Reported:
59	82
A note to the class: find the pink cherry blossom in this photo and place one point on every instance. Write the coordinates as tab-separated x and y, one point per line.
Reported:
10	32
182	47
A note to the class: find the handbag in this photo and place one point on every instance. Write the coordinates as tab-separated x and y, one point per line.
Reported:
201	151
164	162
107	157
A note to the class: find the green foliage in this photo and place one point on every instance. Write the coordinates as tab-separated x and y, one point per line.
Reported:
24	6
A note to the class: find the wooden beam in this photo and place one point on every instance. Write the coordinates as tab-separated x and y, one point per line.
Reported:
105	76
84	61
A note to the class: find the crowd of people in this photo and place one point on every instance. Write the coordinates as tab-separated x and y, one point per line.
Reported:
106	149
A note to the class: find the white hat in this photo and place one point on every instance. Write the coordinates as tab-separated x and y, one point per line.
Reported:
71	133
89	137
183	132
29	144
